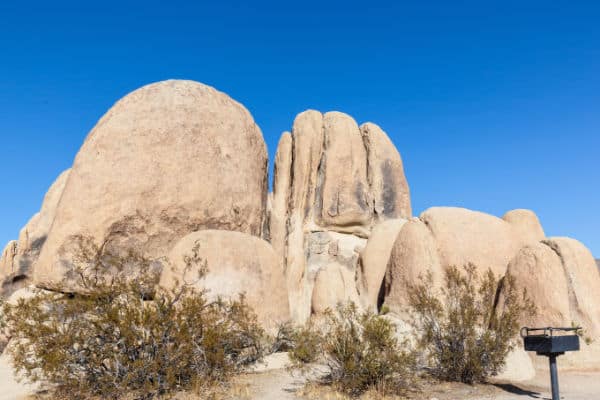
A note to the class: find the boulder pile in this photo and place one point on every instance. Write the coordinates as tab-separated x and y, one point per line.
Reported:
177	167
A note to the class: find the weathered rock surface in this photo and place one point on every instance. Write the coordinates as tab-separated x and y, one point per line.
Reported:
333	183
526	225
8	267
539	269
236	263
168	159
414	255
374	261
464	236
17	268
561	277
281	195
448	236
518	367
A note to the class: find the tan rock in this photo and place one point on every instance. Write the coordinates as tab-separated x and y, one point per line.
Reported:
329	289
389	189
8	267
342	181
526	225
332	258
281	195
539	270
374	261
583	280
561	278
237	263
307	144
413	257
345	194
518	367
307	138
464	236
18	271
168	159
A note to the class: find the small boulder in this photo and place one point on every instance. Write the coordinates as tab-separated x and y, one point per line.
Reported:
236	263
414	256
374	261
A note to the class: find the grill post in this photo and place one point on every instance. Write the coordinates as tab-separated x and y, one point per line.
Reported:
554	377
551	342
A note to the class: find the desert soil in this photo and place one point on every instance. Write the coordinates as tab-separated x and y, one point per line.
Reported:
279	384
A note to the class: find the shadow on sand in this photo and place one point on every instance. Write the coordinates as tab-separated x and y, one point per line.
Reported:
507	387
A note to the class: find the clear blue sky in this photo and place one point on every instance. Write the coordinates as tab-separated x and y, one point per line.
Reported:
493	105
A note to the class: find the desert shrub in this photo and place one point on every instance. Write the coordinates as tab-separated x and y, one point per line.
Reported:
3	331
307	343
120	339
464	329
360	350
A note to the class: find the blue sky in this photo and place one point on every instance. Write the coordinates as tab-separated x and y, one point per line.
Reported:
493	105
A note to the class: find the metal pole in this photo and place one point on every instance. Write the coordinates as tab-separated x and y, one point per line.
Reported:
554	377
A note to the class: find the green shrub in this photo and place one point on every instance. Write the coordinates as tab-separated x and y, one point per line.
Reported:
116	340
361	351
465	331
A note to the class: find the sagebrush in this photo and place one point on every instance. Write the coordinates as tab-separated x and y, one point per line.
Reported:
465	331
120	339
361	351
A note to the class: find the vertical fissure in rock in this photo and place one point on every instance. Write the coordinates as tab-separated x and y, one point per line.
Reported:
290	200
573	302
318	206
266	215
366	139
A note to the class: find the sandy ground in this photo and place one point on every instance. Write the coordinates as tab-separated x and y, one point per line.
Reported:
276	383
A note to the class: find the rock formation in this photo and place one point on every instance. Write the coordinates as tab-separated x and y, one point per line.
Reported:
177	167
446	236
169	159
18	263
374	260
561	277
236	263
334	181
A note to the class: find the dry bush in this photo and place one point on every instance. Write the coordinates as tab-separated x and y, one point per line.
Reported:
121	339
465	332
361	351
3	330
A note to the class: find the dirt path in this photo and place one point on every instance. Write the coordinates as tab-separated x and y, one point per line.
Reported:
274	385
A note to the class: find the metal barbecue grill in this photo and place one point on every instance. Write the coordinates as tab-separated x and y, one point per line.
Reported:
551	342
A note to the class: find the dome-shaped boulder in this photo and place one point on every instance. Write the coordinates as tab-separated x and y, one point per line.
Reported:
168	159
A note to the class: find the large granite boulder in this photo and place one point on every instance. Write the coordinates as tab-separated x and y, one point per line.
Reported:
334	182
18	263
236	263
170	158
465	236
449	236
561	277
